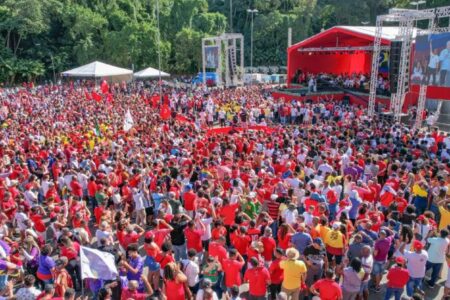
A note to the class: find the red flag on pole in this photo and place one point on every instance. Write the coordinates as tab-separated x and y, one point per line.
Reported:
165	112
96	97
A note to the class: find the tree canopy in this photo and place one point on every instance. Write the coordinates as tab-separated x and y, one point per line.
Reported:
38	37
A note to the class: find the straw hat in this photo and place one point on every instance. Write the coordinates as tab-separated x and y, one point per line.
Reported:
292	253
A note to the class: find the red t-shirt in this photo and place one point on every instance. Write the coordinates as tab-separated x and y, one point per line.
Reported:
397	277
328	289
160	236
218	251
77	190
135	295
129	238
92	188
241	243
276	273
232	269
228	212
189	201
269	245
193	239
258	278
70	252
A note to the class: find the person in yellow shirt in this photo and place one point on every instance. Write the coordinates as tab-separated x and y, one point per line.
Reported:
323	227
335	244
444	210
420	200
294	272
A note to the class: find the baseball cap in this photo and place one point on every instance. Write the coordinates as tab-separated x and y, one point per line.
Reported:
400	260
417	245
318	241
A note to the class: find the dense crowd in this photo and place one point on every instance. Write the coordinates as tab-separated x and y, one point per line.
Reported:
216	194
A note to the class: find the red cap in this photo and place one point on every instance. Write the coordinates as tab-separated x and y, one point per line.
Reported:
421	218
417	245
52	215
400	260
57	209
149	235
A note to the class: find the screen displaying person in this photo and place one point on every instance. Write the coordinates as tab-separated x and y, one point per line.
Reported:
433	66
444	59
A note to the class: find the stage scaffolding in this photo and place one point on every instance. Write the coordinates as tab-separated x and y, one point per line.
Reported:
406	19
230	71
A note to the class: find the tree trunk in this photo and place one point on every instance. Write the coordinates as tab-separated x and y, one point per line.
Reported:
17	45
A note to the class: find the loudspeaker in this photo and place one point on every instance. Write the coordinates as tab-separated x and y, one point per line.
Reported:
394	66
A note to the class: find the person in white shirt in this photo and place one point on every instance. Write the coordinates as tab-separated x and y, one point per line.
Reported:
416	266
191	270
28	292
437	255
290	214
367	264
433	66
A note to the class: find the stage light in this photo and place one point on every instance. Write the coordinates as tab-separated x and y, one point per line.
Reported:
310	53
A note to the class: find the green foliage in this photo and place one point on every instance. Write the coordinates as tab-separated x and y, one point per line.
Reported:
39	36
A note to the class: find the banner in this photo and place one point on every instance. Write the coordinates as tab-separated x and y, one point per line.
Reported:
97	264
212	56
383	62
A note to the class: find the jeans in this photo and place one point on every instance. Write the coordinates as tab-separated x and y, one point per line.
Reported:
412	284
435	270
397	292
180	252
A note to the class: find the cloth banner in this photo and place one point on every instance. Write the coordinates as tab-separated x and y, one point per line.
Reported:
96	97
97	264
104	87
165	112
128	121
212	56
226	130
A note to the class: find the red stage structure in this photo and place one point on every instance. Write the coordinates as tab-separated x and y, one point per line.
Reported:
340	49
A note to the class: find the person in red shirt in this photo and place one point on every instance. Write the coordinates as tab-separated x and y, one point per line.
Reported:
189	198
276	273
397	278
77	189
131	291
258	278
241	241
92	189
217	249
193	233
232	267
228	212
327	288
131	236
269	244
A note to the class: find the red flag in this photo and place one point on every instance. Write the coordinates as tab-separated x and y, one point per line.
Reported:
155	101
104	87
96	97
165	112
166	99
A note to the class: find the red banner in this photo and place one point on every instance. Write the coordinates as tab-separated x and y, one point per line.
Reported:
165	112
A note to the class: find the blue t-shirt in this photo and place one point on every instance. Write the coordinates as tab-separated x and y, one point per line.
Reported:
301	240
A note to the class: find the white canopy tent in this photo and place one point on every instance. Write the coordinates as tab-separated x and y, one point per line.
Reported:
98	69
150	73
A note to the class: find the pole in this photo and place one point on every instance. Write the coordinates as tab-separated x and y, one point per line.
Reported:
159	52
231	16
251	46
53	67
289	37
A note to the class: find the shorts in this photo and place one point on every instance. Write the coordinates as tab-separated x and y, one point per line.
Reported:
152	265
364	286
378	267
338	258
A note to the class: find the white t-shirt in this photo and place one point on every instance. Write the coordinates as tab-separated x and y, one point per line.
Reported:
437	250
416	263
207	233
367	264
290	216
191	270
434	61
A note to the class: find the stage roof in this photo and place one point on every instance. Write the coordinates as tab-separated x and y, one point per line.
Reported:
347	36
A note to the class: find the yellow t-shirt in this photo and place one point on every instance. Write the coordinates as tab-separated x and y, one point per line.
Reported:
324	231
418	191
334	238
445	218
294	271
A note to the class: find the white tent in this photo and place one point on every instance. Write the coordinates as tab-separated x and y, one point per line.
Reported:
150	73
98	69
